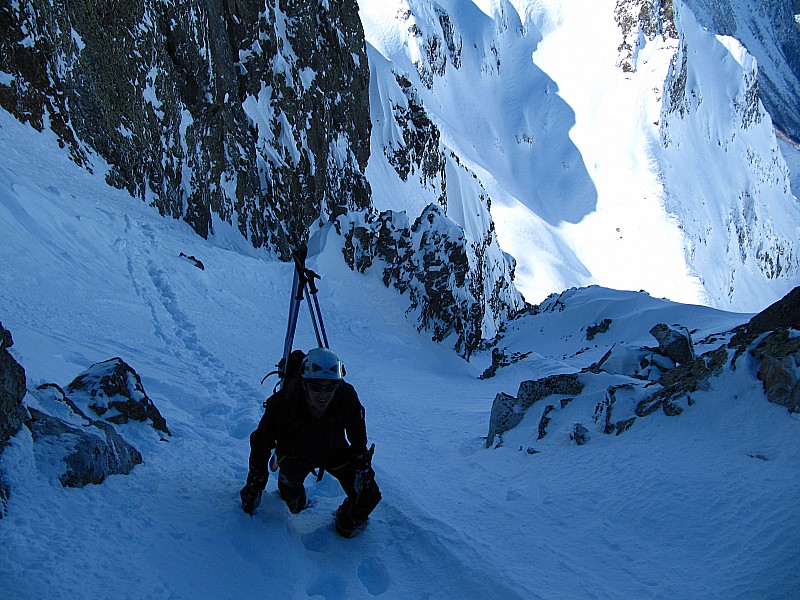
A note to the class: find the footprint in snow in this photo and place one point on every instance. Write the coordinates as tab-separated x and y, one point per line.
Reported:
374	576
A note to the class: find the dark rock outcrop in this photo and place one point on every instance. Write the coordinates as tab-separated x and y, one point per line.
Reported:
778	357
12	390
508	411
785	313
597	328
12	411
446	278
253	113
501	358
195	261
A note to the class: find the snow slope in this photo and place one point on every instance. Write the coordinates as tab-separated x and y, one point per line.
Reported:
674	508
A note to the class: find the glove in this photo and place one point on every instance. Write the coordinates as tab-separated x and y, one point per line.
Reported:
363	460
251	492
364	475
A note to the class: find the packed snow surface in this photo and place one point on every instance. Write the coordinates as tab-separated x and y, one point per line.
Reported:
697	506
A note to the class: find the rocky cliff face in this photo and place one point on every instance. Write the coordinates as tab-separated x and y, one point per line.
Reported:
426	178
452	288
249	113
642	20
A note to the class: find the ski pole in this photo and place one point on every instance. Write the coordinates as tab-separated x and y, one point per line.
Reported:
291	326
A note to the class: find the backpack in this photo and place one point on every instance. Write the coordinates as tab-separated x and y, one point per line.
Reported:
294	366
290	371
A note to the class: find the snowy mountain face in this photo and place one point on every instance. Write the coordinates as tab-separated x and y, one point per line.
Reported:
738	214
768	29
626	147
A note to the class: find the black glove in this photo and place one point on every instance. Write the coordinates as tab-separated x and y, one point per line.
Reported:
363	460
365	476
251	492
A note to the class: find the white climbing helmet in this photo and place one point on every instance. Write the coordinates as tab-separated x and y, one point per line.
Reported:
322	363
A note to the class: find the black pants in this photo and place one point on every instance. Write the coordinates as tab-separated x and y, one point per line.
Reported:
294	470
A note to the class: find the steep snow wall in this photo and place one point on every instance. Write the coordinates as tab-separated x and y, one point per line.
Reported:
769	31
738	211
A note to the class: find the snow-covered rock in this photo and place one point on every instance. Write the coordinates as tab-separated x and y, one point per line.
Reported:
761	356
114	392
452	285
75	448
82	452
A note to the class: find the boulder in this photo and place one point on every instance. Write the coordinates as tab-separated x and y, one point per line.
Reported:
90	453
508	411
113	391
503	417
674	342
778	359
579	435
533	391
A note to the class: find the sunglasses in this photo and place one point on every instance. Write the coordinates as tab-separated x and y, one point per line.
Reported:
322	388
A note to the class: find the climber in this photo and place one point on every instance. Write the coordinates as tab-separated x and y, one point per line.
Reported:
305	422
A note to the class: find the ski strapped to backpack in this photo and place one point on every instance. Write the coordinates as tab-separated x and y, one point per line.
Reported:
303	286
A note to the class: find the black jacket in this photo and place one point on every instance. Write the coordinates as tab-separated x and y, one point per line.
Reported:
289	426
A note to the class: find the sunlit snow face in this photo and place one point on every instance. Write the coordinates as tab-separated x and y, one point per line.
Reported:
319	393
